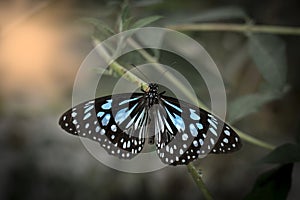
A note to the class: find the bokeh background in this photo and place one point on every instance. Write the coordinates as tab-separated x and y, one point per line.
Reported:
41	49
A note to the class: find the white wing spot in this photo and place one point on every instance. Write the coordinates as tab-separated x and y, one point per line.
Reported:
195	143
113	128
180	151
213	131
227	132
102	132
201	142
185	137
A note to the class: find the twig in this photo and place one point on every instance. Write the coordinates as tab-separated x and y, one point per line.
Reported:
198	180
120	70
237	28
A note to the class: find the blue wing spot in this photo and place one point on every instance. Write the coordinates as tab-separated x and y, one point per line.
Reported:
105	120
177	121
123	114
100	114
128	100
107	105
193	130
199	125
193	115
172	105
97	129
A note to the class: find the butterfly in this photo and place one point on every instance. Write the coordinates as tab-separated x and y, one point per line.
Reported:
121	123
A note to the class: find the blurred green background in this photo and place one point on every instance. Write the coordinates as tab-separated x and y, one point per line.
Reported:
42	47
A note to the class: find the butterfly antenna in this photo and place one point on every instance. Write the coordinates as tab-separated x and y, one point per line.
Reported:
148	80
173	63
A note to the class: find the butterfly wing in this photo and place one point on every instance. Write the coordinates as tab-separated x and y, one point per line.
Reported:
117	122
184	132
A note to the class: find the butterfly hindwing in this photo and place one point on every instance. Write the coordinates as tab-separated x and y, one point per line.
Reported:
113	121
190	132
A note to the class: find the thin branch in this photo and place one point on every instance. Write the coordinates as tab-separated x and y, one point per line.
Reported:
245	28
254	140
198	180
119	69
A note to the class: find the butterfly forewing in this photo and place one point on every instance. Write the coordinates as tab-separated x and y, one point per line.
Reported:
190	132
117	122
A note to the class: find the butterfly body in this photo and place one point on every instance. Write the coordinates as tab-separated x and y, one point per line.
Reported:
121	123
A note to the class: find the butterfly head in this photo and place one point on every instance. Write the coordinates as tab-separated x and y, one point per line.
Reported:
153	87
152	94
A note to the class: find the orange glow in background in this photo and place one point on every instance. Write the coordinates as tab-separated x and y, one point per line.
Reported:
33	53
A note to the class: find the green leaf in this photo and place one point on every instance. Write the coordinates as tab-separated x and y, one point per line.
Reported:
248	104
287	153
124	11
274	184
268	53
145	3
126	23
223	13
145	21
100	26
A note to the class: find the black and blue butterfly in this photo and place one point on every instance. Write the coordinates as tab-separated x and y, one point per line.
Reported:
121	123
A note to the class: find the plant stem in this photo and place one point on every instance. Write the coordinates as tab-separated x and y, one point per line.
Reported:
254	140
237	28
198	180
120	70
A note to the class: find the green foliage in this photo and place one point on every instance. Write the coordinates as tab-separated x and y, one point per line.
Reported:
125	22
274	184
268	53
287	153
145	21
101	31
223	13
245	105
